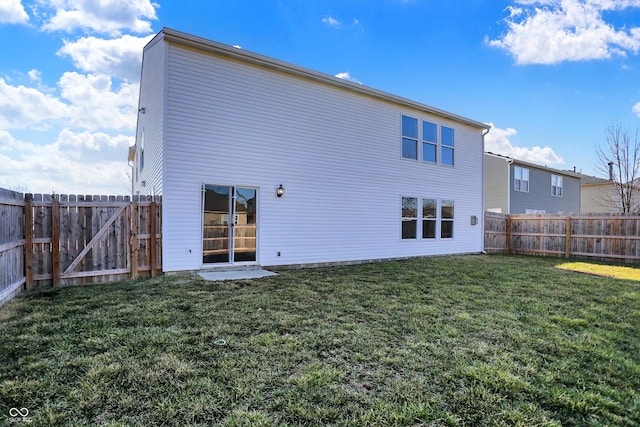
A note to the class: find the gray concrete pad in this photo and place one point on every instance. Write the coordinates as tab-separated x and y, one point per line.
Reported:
254	273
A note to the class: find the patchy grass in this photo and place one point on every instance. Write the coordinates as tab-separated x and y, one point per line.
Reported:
459	340
606	270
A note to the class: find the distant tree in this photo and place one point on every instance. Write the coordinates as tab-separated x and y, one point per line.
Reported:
619	159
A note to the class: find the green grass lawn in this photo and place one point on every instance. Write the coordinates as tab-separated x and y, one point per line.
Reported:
458	340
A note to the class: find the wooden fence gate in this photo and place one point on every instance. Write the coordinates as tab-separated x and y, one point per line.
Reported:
52	240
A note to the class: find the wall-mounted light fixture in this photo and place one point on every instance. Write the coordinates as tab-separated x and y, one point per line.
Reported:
280	191
143	183
142	110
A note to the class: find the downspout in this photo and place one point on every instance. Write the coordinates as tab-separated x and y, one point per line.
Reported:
484	133
509	163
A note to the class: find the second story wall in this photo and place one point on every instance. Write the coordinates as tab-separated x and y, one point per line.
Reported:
497	180
537	194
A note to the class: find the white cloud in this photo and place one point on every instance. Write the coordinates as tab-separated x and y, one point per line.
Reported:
498	141
94	105
120	57
347	76
330	20
636	109
12	12
22	107
71	164
104	16
35	75
552	31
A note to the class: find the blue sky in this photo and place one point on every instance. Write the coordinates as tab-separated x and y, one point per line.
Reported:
549	75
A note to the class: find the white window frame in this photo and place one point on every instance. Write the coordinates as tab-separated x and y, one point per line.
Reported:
518	179
557	189
404	219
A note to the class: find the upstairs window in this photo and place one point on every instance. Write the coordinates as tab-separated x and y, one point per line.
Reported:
521	179
429	142
446	135
556	185
409	138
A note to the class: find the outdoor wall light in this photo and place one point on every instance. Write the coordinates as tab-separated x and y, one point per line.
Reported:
280	191
142	110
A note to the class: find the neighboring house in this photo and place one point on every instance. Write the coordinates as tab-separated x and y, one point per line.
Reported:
259	161
597	195
600	195
513	186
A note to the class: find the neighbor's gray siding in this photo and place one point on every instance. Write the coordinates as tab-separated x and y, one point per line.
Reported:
539	196
496	184
338	155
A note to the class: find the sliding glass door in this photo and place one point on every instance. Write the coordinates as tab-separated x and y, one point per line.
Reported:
230	217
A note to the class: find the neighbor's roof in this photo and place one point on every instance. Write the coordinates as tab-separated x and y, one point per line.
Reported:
189	40
533	165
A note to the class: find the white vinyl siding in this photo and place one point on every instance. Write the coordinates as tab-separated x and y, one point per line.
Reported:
334	151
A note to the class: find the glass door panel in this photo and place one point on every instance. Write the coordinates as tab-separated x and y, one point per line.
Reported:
216	224
244	226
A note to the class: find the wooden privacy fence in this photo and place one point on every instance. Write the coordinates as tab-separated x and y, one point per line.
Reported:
602	237
51	240
12	277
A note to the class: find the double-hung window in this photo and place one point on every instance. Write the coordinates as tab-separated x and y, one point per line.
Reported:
409	138
409	218
446	219
556	185
520	179
429	142
429	218
446	139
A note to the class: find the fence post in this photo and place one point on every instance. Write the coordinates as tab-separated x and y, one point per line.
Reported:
509	234
152	238
567	241
55	240
134	238
28	239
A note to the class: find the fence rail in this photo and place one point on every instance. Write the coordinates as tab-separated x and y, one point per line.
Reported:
602	237
52	240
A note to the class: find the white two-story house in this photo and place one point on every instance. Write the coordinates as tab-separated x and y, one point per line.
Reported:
262	162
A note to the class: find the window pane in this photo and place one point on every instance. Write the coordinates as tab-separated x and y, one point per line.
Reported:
429	132
429	153
525	186
446	229
409	127
428	229
447	156
409	229
409	149
428	208
409	207
446	210
525	174
447	136
516	185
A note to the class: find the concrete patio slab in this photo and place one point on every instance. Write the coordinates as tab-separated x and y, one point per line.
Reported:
254	273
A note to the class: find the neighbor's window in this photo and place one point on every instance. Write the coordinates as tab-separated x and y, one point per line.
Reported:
556	185
446	219
446	137
409	217
521	179
409	138
429	142
429	218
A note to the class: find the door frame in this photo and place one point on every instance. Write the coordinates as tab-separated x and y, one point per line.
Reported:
231	236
